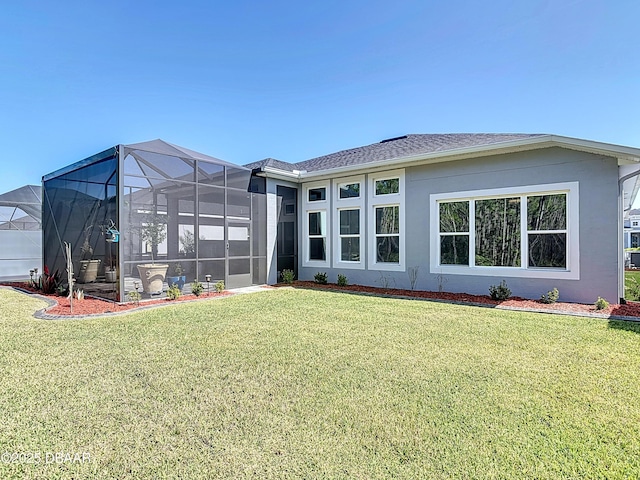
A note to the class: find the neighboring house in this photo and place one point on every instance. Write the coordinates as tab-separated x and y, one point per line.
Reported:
463	211
632	229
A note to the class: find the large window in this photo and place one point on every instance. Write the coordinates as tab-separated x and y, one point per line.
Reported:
316	246
386	221
318	236
388	234
349	222
507	230
350	235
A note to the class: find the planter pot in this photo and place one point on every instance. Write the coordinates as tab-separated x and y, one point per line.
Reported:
152	276
110	276
88	271
178	281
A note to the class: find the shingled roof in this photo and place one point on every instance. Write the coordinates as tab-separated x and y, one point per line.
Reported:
407	145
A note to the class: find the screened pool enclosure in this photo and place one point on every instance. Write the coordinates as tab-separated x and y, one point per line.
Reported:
146	216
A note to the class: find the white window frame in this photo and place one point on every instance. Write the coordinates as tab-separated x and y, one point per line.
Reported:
388	200
572	270
311	207
348	204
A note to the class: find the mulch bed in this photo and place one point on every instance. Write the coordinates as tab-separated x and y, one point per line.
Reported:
92	306
631	309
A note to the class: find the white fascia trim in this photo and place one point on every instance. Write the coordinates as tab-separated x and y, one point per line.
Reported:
572	271
374	201
278	174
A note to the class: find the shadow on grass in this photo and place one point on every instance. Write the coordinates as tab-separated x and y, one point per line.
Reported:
625	325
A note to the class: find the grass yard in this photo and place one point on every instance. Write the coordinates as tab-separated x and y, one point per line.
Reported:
632	285
309	384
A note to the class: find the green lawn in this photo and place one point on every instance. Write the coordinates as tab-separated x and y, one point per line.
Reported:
632	285
307	384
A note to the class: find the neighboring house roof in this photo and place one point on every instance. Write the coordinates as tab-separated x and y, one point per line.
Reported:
27	198
440	147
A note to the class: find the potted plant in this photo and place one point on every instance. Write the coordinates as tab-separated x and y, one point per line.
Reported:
111	236
153	231
88	267
110	272
178	279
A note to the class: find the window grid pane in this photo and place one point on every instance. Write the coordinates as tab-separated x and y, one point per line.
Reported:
350	190
387	186
317	194
498	232
388	220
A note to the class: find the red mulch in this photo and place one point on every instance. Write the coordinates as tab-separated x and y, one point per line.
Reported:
631	309
91	305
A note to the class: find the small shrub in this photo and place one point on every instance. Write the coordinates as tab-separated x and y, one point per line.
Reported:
551	296
173	292
288	276
500	292
219	286
48	282
601	304
196	288
134	296
342	280
386	281
321	278
78	294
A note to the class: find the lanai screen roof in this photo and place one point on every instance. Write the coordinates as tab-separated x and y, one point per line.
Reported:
156	155
27	198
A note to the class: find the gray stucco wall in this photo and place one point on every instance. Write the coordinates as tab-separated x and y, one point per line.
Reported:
598	222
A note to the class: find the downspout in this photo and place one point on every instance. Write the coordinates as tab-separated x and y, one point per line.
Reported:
621	210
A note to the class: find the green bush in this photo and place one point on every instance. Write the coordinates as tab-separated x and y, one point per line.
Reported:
196	288
288	276
601	304
342	280
173	292
551	296
134	296
321	278
219	286
500	292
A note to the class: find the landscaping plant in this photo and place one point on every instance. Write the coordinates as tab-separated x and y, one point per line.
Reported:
601	304
321	278
551	296
288	276
173	292
500	292
196	288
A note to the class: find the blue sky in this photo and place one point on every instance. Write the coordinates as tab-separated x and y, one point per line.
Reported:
245	80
